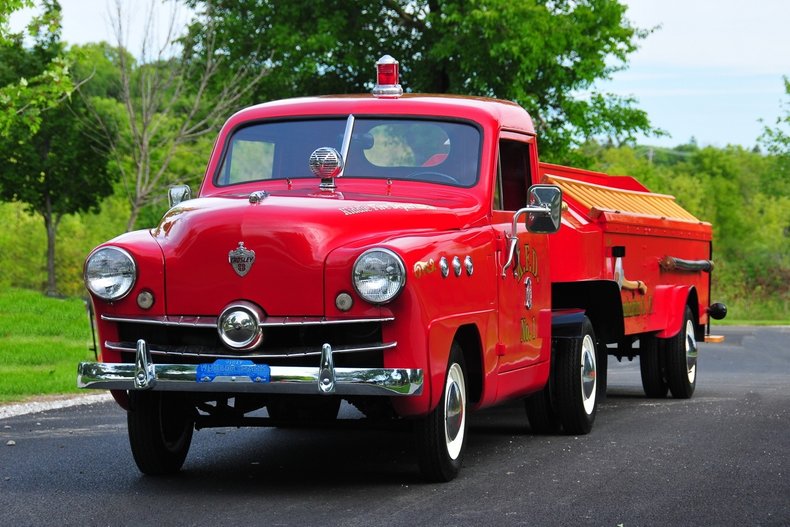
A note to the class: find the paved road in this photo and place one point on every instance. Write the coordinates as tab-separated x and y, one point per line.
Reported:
721	458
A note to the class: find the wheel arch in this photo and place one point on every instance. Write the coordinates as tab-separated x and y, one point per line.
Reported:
599	299
468	337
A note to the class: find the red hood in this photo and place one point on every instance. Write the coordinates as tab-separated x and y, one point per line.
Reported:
291	238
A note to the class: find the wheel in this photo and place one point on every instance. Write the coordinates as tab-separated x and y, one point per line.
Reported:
304	408
160	431
576	381
680	353
650	365
543	418
441	435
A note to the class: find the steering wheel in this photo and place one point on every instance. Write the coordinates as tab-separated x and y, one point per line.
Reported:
439	177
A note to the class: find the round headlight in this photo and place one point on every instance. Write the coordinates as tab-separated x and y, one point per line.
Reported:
110	273
379	275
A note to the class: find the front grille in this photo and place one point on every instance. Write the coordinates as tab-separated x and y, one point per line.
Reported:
286	342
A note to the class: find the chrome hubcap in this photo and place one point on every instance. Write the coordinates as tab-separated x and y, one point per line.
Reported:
454	410
691	352
589	374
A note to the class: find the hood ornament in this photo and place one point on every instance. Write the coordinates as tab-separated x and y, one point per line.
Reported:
241	259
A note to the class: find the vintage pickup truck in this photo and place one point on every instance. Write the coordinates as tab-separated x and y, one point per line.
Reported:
405	253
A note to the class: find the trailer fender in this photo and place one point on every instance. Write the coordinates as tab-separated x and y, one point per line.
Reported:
669	308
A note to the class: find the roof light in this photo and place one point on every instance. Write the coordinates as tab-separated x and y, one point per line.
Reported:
387	78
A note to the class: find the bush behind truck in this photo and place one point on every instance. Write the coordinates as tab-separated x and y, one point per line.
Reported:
406	253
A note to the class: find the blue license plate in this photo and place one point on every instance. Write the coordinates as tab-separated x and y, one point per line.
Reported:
233	368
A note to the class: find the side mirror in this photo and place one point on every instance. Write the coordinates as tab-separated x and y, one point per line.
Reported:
545	209
177	194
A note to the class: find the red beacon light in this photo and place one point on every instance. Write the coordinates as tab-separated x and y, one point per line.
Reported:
387	78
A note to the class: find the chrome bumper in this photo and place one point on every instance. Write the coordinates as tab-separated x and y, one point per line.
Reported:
323	379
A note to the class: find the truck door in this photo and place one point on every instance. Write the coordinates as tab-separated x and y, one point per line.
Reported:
525	289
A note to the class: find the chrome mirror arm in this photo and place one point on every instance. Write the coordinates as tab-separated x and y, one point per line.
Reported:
513	238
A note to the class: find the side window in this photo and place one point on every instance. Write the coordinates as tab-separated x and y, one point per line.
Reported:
514	174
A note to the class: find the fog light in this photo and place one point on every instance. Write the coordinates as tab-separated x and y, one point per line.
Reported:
239	326
344	302
145	299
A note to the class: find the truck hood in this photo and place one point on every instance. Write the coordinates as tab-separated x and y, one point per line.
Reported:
208	243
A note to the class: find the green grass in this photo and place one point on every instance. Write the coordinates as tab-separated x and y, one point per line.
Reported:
41	341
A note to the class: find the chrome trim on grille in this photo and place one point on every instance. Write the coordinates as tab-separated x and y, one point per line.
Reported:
211	322
282	379
131	347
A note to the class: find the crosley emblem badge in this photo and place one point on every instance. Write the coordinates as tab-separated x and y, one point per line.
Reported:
241	259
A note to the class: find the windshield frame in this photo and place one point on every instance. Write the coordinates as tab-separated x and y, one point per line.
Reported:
470	175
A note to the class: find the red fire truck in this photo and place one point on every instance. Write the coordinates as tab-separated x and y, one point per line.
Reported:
405	253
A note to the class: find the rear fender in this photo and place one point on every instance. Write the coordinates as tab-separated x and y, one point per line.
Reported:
669	309
567	323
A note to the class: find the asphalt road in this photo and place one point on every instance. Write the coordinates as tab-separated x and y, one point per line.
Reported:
720	458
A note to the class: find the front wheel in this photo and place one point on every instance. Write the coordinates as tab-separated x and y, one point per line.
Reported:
576	371
441	435
680	353
160	431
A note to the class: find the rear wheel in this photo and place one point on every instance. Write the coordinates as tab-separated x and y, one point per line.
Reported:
441	435
680	353
650	365
160	430
543	418
576	373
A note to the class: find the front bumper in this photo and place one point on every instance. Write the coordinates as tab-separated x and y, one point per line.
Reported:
323	379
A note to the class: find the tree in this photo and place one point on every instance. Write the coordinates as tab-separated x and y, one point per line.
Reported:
23	98
166	101
543	54
776	141
54	171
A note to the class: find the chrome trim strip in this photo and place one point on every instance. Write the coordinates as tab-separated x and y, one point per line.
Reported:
283	379
119	346
211	322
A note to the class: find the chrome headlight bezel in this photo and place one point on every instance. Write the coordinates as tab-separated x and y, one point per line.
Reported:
378	265
114	265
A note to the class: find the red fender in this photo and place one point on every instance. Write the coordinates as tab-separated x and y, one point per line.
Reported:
669	307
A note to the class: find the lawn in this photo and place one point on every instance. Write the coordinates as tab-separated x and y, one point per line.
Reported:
41	341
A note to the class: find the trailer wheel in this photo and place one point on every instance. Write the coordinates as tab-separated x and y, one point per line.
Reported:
653	382
576	381
680	353
160	431
441	435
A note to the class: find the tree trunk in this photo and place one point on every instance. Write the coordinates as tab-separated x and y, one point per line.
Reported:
137	203
51	222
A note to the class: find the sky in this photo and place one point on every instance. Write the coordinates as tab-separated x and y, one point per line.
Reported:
710	71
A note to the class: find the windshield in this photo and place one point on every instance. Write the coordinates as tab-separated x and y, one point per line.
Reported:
409	149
